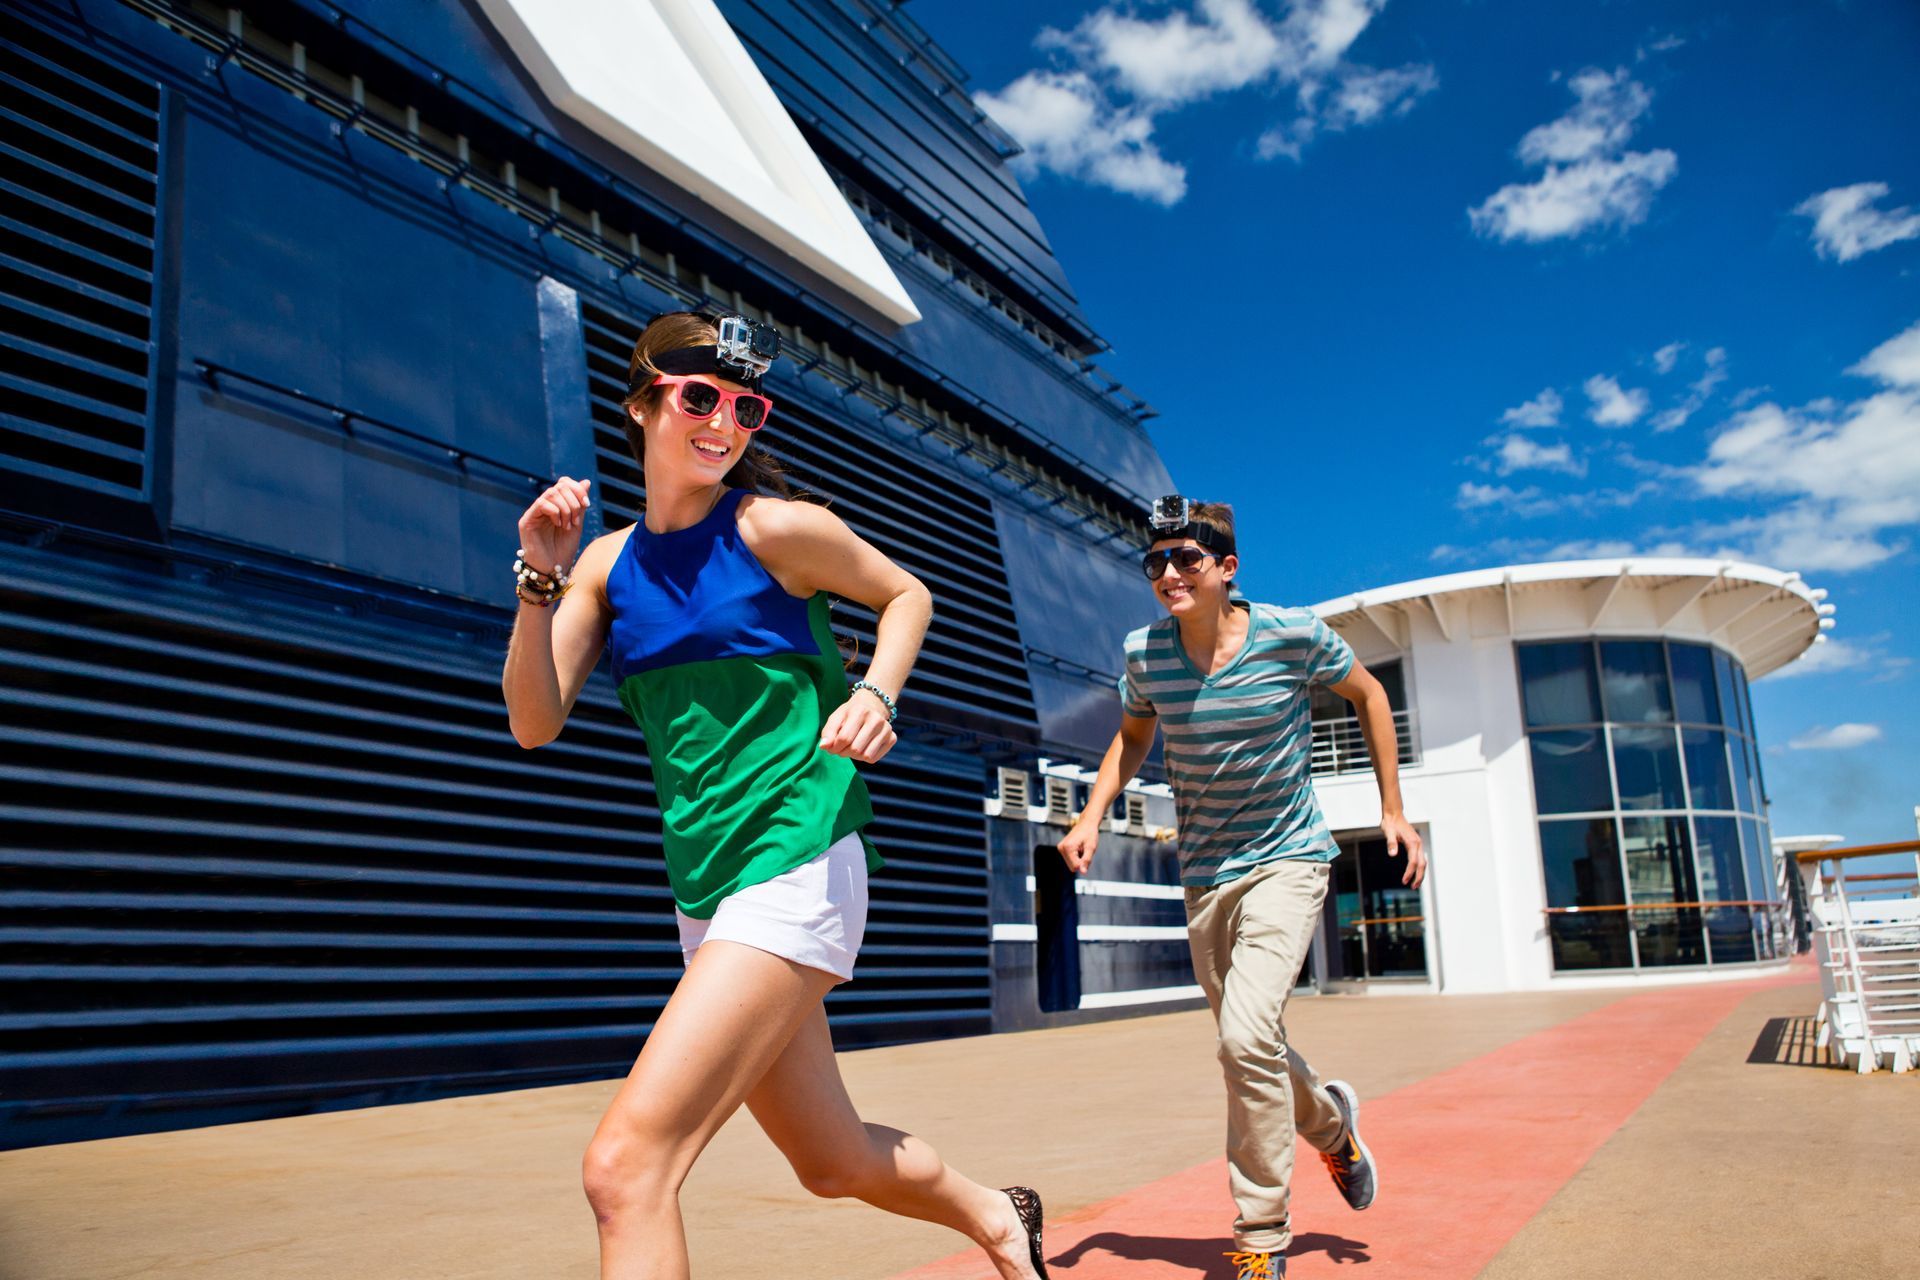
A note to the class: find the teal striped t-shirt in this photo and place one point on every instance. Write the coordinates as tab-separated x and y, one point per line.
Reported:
1239	742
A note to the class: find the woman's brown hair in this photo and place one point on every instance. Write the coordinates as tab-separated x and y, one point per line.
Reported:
756	471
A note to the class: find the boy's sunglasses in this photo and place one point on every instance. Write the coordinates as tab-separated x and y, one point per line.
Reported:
703	400
1185	559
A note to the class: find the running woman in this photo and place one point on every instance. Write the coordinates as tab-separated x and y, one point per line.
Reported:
715	607
1228	682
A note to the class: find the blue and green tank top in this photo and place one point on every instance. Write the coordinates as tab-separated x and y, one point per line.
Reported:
731	679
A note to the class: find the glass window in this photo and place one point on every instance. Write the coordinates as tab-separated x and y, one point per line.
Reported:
1723	875
1723	687
1558	683
1660	869
1570	771
1708	783
1742	775
1730	934
1582	861
1761	886
1646	767
1695	699
1746	701
1671	762
1634	675
1659	860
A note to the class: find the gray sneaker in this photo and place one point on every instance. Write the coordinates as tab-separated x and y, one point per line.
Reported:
1350	1163
1258	1266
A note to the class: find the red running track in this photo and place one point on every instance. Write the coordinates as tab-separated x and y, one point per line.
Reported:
1466	1158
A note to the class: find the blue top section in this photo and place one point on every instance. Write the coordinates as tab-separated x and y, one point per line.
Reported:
697	594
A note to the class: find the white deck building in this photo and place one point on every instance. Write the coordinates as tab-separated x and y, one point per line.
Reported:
1582	760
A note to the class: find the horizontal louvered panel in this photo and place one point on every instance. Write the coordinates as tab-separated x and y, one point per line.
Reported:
241	853
79	166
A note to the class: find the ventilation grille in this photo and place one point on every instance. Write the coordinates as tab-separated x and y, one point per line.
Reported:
1136	813
1060	800
79	158
1014	791
256	866
934	525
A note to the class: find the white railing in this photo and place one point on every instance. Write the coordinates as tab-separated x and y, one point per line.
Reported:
1340	747
1866	935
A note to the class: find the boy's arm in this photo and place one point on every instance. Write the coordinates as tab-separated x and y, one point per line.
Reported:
1383	745
1122	761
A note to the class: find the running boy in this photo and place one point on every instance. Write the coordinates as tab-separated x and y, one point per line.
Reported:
1228	681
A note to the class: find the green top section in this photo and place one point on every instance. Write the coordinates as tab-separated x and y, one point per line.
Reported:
745	791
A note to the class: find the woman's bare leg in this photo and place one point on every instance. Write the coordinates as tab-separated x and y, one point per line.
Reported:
803	1106
728	1021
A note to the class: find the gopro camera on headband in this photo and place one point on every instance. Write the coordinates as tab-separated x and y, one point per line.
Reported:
1172	517
1171	512
747	346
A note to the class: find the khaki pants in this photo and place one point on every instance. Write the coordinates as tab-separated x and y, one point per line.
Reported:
1249	938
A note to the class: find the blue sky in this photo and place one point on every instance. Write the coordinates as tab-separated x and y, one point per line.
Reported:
1518	281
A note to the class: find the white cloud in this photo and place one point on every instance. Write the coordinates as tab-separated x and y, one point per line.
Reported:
1614	406
1223	45
1067	125
1896	361
1846	225
1359	96
1091	117
1546	550
1698	392
1365	95
1847	475
1521	453
1590	180
1608	106
1865	658
1541	411
1529	501
1665	358
1838	738
1574	199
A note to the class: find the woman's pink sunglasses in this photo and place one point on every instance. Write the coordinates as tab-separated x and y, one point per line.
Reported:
702	400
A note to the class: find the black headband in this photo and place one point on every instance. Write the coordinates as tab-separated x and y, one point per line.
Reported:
684	360
1204	534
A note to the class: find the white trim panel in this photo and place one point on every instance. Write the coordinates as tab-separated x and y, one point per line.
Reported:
670	84
1146	995
1122	889
1097	933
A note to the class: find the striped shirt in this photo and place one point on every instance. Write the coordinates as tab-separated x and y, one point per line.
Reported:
1239	742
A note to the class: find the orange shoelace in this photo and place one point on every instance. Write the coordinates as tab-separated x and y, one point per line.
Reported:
1253	1266
1338	1165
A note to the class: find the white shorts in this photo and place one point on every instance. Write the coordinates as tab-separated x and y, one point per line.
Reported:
814	915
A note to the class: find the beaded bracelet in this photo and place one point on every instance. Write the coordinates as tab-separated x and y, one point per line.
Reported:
545	587
879	693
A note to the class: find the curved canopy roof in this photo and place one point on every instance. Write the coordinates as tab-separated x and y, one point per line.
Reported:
1764	617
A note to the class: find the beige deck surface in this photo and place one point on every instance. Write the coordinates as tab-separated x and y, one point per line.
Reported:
1729	1164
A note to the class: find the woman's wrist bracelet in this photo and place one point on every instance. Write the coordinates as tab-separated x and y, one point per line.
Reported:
537	588
879	693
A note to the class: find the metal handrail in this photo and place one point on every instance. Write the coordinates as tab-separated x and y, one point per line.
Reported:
1856	851
1663	906
1339	746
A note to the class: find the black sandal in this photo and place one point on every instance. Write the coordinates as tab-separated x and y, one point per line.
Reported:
1026	1203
